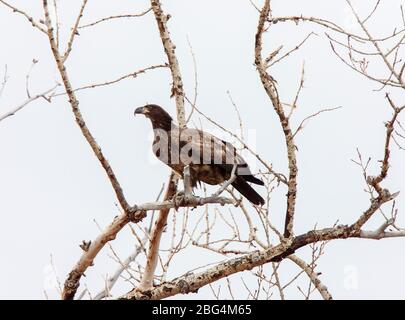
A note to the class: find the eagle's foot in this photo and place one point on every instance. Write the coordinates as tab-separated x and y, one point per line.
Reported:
178	199
178	194
181	199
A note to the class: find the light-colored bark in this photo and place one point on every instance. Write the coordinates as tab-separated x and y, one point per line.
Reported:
178	93
155	237
313	276
27	102
270	87
170	50
190	282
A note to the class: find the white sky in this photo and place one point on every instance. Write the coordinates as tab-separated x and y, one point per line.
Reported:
52	187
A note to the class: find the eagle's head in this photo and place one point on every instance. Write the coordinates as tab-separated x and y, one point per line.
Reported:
156	114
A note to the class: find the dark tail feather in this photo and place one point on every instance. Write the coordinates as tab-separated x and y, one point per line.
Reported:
248	177
247	191
252	179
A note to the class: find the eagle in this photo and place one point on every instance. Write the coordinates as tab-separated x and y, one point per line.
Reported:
210	159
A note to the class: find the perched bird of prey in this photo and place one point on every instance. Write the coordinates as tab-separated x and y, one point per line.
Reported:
210	159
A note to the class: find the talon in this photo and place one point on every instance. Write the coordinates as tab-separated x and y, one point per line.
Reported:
178	200
179	193
181	199
188	198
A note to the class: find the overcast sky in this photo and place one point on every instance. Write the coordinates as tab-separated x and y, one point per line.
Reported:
53	188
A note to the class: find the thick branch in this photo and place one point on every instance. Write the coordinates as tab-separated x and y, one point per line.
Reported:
177	89
86	260
156	235
135	214
178	93
271	90
313	276
191	282
155	238
72	282
76	111
191	203
381	232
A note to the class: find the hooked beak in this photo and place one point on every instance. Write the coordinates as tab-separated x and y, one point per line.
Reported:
140	110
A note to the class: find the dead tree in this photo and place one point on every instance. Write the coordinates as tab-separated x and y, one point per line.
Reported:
257	245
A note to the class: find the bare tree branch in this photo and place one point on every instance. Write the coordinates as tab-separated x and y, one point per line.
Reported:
115	17
376	45
271	89
258	241
29	18
156	234
177	91
74	32
25	103
169	47
76	111
107	83
72	282
190	282
301	125
313	276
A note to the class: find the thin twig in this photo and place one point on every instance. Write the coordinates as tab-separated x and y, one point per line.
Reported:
301	125
74	32
29	18
25	103
137	15
107	83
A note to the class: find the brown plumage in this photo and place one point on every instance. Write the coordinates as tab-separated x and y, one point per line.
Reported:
211	159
